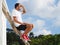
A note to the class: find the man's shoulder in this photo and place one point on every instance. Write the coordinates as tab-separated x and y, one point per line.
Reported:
13	11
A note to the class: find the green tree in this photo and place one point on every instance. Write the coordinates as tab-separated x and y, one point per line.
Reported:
31	34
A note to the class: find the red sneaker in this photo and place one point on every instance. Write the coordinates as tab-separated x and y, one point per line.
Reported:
25	37
28	38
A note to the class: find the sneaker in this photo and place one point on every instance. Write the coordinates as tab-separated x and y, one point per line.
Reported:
28	38
25	37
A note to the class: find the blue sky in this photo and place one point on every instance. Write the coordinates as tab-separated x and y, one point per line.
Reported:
44	14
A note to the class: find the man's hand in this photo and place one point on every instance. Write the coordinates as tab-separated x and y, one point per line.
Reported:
24	10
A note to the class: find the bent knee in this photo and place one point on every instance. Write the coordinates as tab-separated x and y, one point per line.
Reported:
31	25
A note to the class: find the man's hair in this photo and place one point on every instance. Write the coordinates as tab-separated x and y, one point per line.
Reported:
16	4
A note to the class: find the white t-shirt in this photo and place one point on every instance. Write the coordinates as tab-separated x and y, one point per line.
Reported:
18	15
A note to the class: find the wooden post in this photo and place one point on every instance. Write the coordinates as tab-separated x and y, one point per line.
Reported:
2	26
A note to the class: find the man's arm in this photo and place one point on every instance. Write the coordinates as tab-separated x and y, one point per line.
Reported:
24	10
15	20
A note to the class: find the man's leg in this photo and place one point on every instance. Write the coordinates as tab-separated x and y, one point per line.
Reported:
28	29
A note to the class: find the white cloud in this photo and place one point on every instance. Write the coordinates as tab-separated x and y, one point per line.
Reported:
46	32
28	20
41	8
40	28
39	24
57	22
57	15
43	32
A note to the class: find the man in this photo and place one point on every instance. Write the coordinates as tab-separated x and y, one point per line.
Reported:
20	25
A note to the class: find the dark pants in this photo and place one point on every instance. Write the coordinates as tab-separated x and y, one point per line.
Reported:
21	27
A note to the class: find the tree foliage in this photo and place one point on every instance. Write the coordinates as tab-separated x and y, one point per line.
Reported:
13	39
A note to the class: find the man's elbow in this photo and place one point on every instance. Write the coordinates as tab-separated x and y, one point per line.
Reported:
24	12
